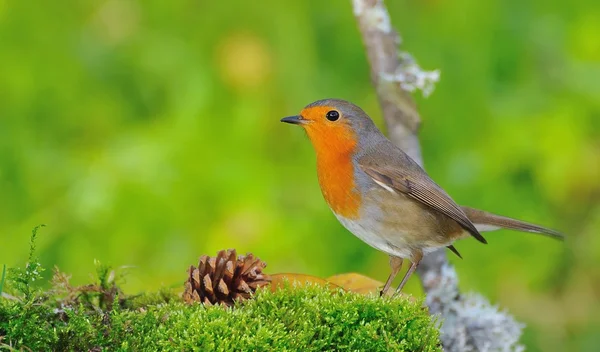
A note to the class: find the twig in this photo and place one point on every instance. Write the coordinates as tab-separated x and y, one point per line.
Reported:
470	322
10	297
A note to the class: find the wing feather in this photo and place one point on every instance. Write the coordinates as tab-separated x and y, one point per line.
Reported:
415	183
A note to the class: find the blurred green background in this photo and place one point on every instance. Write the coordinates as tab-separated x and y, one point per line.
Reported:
147	133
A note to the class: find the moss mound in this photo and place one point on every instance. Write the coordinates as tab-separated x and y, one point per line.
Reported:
305	318
101	317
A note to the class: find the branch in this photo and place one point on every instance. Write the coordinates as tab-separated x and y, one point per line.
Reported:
10	297
470	322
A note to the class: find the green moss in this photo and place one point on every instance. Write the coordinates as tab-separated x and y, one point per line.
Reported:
303	318
23	279
100	316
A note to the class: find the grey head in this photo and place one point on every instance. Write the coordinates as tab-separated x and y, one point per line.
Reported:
348	113
337	113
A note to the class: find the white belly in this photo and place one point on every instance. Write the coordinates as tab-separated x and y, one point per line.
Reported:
374	239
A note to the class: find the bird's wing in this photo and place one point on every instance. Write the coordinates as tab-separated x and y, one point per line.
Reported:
404	175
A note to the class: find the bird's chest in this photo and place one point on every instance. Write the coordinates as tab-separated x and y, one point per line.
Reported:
338	185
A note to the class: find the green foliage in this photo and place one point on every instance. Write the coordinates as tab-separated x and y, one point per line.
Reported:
25	312
105	292
307	318
23	279
23	324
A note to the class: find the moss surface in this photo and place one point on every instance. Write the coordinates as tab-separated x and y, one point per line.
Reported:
303	318
100	316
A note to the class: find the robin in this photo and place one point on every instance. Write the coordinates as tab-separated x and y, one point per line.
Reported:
382	196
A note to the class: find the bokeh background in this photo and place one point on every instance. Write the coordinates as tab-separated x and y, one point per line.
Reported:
147	133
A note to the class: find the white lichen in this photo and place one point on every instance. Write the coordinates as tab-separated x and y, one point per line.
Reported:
412	77
379	18
375	17
358	6
470	322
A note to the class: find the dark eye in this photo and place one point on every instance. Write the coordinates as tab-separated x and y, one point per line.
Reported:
332	115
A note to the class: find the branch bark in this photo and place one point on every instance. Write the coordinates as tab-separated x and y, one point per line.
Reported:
470	322
382	42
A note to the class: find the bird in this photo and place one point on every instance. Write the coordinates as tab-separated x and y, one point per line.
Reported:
382	196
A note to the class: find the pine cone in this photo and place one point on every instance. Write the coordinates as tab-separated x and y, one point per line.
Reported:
224	279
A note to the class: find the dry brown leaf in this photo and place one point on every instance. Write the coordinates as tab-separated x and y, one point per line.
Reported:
362	284
353	282
278	280
356	283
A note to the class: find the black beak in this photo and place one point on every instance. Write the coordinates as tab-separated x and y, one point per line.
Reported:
295	120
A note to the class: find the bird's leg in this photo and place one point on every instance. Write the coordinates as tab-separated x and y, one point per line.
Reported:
395	264
416	259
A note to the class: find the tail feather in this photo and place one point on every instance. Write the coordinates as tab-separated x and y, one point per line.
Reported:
485	221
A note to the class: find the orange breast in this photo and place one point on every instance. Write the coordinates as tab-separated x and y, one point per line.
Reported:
336	178
335	145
